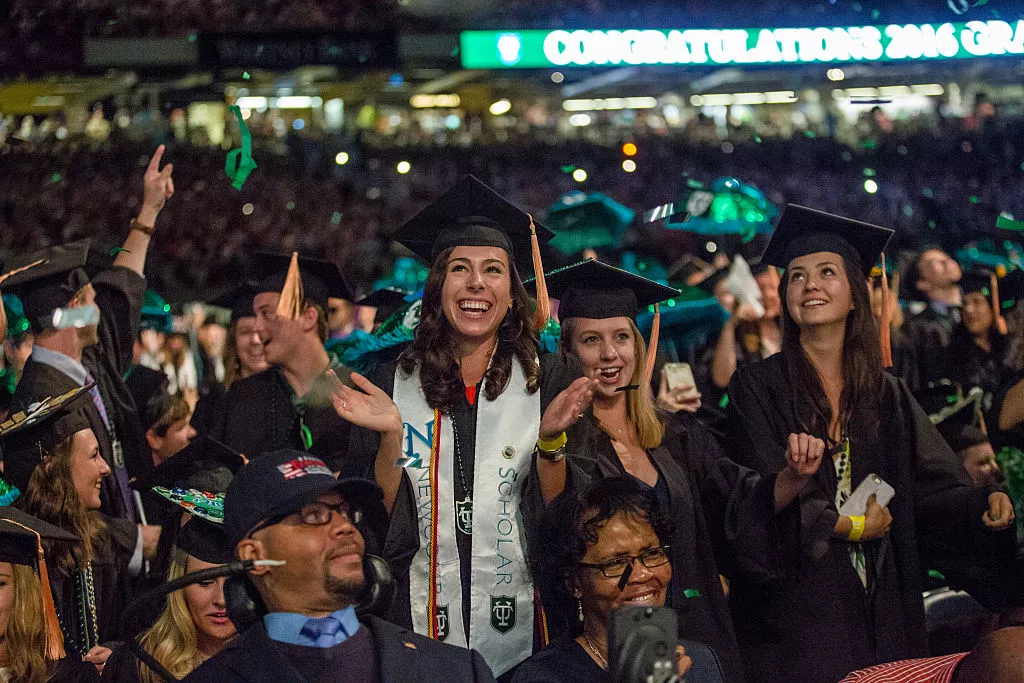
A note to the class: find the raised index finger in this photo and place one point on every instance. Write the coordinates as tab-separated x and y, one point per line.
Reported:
154	163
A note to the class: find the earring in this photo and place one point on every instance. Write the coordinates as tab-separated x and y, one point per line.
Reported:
510	304
579	610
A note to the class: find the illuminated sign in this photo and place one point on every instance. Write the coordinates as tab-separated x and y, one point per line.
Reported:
895	42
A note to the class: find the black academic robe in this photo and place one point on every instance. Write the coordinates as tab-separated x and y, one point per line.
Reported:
976	367
260	414
921	351
112	591
724	517
209	405
401	656
822	623
119	297
402	538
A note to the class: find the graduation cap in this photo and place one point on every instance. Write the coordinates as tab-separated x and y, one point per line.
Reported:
155	313
587	221
299	278
470	214
148	388
986	283
17	323
29	436
801	231
205	540
384	297
960	423
60	273
592	289
205	464
196	502
238	300
21	542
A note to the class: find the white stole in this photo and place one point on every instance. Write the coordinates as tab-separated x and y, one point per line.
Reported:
501	596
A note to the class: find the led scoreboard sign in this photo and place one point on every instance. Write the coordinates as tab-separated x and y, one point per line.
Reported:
895	42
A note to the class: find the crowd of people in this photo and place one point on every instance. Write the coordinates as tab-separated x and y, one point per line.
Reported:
468	507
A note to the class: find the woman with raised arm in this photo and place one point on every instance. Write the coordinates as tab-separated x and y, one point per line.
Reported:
452	449
853	592
724	514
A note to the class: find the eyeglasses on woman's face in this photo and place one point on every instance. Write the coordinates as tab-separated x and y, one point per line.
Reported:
614	568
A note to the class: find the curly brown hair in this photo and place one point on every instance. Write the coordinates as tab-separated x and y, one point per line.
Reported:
433	353
51	496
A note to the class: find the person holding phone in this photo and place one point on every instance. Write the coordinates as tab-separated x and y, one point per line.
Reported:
853	581
724	513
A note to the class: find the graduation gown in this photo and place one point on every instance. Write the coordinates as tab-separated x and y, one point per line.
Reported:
402	535
119	297
920	354
111	584
261	413
724	517
822	623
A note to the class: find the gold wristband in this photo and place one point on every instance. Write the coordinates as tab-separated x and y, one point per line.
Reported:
553	445
857	528
144	229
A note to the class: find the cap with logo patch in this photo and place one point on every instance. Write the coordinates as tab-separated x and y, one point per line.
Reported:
281	482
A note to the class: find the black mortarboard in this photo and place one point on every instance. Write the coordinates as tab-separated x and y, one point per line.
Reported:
205	541
470	214
958	425
592	289
321	279
801	231
238	300
30	436
51	284
205	464
979	281
18	543
148	388
385	297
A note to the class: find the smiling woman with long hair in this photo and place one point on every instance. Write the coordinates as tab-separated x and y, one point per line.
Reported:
852	595
55	460
725	513
459	413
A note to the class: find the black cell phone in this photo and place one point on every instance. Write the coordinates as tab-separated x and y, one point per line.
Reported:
642	645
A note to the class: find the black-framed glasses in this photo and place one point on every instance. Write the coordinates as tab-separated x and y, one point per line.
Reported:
650	558
316	513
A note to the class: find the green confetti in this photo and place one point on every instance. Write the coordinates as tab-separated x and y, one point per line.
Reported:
691	593
1005	222
975	199
307	437
936	574
116	250
568	169
239	162
56	178
868	172
724	403
336	218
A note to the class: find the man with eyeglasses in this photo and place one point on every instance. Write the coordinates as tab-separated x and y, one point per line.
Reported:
286	505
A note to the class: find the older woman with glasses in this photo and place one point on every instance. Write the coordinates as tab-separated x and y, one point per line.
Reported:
599	551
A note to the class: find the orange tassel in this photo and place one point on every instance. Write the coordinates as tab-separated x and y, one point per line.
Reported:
52	635
543	312
886	322
652	346
289	307
996	310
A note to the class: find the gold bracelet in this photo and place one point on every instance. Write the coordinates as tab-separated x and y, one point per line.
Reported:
857	530
553	445
144	229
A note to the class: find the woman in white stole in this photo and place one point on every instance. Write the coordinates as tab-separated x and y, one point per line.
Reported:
452	449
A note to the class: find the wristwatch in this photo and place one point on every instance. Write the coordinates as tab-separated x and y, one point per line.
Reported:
550	456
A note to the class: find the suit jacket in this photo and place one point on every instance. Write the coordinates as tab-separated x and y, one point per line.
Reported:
402	655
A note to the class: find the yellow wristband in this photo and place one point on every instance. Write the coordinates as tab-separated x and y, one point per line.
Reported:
554	444
857	530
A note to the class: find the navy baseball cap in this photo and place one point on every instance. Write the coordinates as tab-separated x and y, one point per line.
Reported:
281	482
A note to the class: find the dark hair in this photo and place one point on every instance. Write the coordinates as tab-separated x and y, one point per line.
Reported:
433	353
862	361
571	525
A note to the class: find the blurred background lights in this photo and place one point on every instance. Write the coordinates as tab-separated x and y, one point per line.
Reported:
403	167
629	149
579	175
500	107
870	186
628	165
341	159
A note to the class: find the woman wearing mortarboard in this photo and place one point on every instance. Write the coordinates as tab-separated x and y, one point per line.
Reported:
31	644
853	591
468	392
52	455
723	513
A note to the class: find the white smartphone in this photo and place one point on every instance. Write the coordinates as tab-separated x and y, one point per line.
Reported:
857	504
680	375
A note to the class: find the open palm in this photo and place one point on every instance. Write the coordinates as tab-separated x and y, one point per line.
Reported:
365	406
567	408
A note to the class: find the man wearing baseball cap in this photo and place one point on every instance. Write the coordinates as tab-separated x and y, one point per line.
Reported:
286	505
